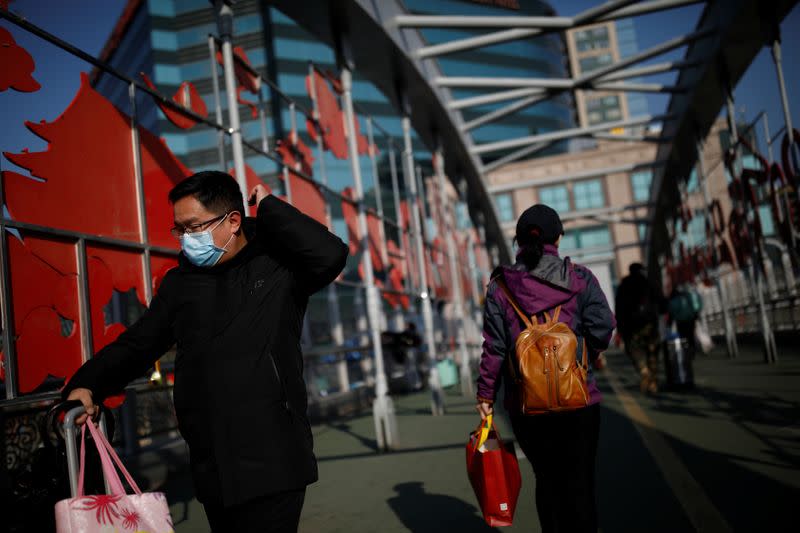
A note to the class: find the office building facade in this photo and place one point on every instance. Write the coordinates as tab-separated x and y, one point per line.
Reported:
596	46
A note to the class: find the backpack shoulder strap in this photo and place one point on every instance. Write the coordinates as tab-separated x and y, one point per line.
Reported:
502	284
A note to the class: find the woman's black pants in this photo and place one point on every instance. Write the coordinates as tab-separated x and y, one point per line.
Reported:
562	448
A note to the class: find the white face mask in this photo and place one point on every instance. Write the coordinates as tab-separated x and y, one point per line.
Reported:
199	248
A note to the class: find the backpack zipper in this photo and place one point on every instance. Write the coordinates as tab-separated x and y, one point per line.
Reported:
547	377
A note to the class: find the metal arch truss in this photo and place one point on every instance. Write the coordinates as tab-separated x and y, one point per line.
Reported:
398	59
522	93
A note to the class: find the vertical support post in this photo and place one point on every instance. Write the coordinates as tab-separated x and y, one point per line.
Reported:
437	400
784	196
225	27
376	183
787	115
767	137
385	421
130	431
334	312
770	349
730	334
448	230
140	198
262	119
87	342
398	311
287	184
475	275
9	346
212	55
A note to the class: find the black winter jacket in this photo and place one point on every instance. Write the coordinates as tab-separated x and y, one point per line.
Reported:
239	392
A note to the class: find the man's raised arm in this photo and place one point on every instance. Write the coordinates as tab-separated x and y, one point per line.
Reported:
314	254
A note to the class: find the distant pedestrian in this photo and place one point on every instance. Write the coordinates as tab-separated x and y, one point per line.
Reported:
411	343
561	446
234	308
639	306
685	305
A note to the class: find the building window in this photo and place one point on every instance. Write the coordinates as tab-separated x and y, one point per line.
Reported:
640	183
587	64
592	39
589	194
642	231
505	207
594	237
556	197
577	239
603	109
767	223
569	241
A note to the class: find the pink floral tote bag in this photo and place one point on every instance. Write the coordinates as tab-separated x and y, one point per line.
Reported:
116	512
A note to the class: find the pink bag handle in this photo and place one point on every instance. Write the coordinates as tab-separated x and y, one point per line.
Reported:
107	454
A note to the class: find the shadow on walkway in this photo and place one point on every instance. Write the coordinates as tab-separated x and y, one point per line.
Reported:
423	512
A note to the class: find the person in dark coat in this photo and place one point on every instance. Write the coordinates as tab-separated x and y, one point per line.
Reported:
638	305
561	446
234	308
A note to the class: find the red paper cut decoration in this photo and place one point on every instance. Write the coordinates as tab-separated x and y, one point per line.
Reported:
330	118
41	291
411	253
186	97
18	65
354	235
89	176
247	81
396	279
89	187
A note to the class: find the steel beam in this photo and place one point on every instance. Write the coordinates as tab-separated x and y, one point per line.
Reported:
606	12
627	137
657	50
637	87
503	111
564	134
643	8
648	70
495	97
516	155
493	83
593	13
467	21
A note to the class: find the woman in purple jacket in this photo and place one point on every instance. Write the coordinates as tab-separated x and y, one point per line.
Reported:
560	446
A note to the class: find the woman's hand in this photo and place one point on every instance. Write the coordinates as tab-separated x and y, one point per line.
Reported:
485	409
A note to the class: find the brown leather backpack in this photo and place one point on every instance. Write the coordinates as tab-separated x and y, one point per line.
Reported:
546	369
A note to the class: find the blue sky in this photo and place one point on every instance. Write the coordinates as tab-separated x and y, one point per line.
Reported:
88	23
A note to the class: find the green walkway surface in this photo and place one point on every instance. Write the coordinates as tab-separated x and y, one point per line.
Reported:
725	457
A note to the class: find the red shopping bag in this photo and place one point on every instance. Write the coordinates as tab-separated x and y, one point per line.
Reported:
493	471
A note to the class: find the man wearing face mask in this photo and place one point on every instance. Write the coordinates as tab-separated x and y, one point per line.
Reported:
234	308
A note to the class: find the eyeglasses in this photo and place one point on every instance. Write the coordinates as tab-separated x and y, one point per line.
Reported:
178	230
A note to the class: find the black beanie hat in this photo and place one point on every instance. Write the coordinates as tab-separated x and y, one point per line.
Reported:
545	219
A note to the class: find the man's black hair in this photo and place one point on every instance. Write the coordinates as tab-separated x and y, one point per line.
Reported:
217	191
